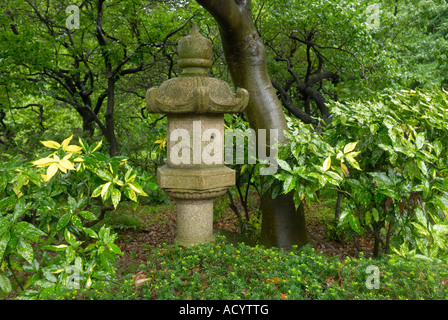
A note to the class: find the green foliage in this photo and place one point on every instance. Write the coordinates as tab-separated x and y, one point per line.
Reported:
235	272
390	169
47	208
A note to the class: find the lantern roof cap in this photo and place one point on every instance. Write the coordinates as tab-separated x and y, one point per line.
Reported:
194	91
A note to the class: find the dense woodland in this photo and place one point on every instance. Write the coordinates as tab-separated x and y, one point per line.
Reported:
359	90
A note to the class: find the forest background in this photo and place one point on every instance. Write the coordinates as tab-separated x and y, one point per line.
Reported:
362	87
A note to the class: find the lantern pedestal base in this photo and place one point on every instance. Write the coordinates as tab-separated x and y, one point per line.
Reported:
194	222
194	191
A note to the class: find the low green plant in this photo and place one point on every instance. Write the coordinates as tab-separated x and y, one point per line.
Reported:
47	210
223	271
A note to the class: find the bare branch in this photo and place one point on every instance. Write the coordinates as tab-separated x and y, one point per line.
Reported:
297	112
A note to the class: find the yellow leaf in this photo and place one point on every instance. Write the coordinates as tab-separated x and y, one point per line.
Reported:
73	149
65	165
243	167
345	170
58	271
89	282
51	171
327	164
98	146
51	144
82	144
66	142
43	162
350	147
161	142
274	280
79	159
137	190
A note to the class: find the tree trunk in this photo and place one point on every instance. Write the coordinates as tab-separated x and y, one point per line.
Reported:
282	225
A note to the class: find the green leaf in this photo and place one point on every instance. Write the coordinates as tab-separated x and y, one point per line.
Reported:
29	231
368	218
25	249
4	225
422	165
88	215
354	224
4	240
63	221
96	146
284	165
20	208
116	197
375	214
334	176
105	191
69	237
382	179
3	182
114	248
353	162
91	233
289	184
420	140
97	191
5	284
70	254
130	194
129	177
438	147
83	144
76	221
105	175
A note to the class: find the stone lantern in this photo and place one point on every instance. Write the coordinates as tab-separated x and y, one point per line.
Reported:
195	105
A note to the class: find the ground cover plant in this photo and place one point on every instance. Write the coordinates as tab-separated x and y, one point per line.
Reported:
226	271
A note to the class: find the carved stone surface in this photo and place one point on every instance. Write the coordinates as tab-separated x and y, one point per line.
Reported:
195	95
200	183
195	103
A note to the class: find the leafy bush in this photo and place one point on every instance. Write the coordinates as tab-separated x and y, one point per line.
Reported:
226	271
387	158
47	210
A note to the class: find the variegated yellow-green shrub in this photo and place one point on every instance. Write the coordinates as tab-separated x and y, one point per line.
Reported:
51	205
386	160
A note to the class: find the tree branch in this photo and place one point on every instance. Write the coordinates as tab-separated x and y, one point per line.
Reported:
291	107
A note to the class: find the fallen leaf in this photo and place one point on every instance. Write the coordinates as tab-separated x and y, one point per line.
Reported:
203	281
139	279
445	282
274	280
284	296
